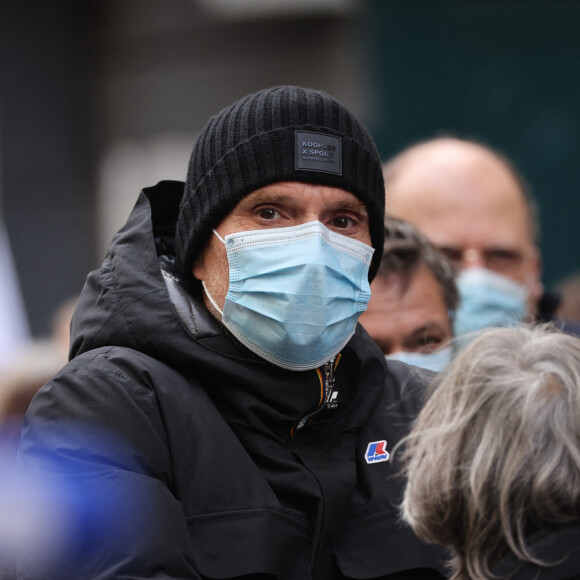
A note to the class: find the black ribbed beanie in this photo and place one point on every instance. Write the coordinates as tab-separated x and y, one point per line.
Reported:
284	133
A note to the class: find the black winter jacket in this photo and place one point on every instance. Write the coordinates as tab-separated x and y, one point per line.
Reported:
180	451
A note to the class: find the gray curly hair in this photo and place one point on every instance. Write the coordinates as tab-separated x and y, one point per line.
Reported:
495	452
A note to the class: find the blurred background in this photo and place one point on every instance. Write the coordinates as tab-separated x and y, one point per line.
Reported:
99	98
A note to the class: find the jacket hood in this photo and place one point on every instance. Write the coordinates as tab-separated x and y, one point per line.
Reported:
135	301
126	302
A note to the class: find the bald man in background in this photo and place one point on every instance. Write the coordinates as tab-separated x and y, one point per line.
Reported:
473	205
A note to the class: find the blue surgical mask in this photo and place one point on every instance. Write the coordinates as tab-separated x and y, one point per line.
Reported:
488	299
433	361
295	293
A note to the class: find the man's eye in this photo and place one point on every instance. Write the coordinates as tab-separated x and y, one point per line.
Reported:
343	222
452	254
428	343
268	213
501	257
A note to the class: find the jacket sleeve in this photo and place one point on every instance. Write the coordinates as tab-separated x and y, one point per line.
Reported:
99	478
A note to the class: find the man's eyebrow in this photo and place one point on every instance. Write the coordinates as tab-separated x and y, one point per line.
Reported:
502	247
354	205
260	196
432	325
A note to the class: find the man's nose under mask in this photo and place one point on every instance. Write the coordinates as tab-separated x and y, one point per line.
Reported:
433	361
488	299
295	293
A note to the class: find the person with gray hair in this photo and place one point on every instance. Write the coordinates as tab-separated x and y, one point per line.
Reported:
493	460
413	299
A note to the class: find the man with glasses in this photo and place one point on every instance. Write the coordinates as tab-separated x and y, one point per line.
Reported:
473	205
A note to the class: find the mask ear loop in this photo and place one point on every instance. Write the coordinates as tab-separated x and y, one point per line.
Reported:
211	299
214	304
219	237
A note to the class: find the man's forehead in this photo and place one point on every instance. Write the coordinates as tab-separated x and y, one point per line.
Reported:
467	220
448	180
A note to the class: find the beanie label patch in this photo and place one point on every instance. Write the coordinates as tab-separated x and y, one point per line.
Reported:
318	152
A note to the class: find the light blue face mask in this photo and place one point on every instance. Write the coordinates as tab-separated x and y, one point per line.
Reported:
295	293
488	299
433	361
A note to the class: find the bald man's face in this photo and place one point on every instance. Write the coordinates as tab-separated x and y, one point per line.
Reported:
470	206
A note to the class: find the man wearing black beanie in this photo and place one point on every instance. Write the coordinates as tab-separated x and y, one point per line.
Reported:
223	415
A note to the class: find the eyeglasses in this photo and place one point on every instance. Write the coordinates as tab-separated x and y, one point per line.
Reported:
502	260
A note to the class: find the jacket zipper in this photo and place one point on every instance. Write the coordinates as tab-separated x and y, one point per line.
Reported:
329	396
328	400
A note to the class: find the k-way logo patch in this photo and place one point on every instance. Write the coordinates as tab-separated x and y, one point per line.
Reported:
377	451
318	152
